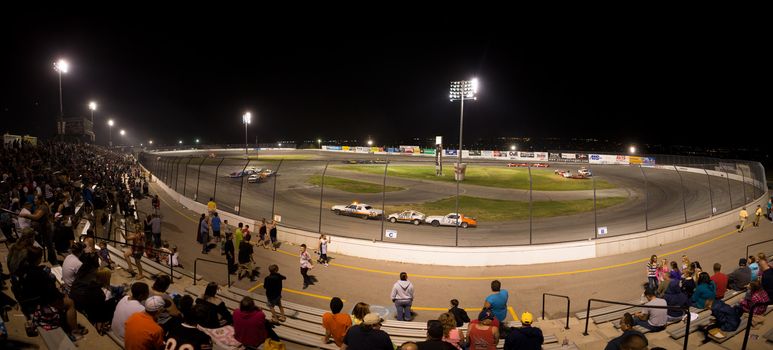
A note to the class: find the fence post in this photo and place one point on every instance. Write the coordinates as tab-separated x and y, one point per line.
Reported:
322	195
273	197
681	184
241	187
198	178
177	173
743	185
729	189
595	210
530	204
214	190
185	179
383	205
646	199
711	194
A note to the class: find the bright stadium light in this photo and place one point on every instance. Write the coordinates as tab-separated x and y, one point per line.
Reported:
197	140
92	107
123	132
632	150
512	147
180	142
459	91
61	66
110	133
319	143
370	142
150	142
246	118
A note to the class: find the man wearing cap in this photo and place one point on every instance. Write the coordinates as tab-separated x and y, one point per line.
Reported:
367	335
740	278
483	333
434	338
525	337
142	331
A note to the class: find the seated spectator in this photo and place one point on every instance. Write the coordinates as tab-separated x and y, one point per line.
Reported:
663	285
434	338
626	326
86	292
705	290
653	319
70	266
634	341
767	276
720	280
218	312
128	306
460	315
675	297
740	278
409	345
104	256
525	337
358	312
167	317
482	333
186	335
689	282
754	267
17	253
451	333
142	331
335	323
726	319
368	335
249	324
755	295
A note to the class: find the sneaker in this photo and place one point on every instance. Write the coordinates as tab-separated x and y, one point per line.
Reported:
305	286
326	264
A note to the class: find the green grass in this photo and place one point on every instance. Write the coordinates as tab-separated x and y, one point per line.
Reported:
352	186
503	210
283	156
503	177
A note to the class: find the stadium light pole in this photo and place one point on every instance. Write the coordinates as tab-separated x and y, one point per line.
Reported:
92	107
370	142
319	143
110	133
512	147
246	118
122	132
461	90
632	150
61	66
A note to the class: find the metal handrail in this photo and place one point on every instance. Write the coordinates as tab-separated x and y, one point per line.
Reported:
227	273
171	267
568	303
753	244
686	310
749	321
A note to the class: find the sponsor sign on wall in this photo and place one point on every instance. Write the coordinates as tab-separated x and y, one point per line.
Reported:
487	154
451	152
393	150
635	160
500	154
608	159
648	161
377	149
526	154
362	149
571	156
541	156
409	149
474	153
345	148
427	151
554	157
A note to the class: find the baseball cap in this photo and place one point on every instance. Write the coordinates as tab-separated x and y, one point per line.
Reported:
371	319
154	303
486	314
742	261
527	317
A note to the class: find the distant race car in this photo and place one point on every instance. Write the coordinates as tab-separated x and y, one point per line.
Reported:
237	174
563	173
451	219
255	178
540	165
585	172
407	216
361	210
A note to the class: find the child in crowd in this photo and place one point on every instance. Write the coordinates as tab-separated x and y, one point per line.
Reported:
104	256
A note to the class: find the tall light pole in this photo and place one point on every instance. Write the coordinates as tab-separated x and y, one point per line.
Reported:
319	143
61	66
461	90
92	107
110	133
122	132
246	118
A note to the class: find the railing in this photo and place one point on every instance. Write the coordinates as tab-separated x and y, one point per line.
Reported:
171	268
753	244
568	303
686	310
195	263
749	321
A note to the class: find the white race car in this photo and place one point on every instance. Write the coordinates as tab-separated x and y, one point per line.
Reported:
361	210
451	219
411	216
585	172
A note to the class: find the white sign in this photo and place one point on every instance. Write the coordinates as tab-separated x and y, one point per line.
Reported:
277	218
390	234
438	140
602	231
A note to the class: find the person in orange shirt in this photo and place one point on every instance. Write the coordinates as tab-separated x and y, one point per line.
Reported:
336	324
142	331
742	216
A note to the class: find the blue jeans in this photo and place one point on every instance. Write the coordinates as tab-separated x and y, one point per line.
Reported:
647	325
403	309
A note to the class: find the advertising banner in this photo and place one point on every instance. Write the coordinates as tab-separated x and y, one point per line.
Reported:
362	149
427	151
526	155
451	152
582	157
473	153
408	149
345	148
376	149
393	150
620	159
512	155
543	156
554	157
487	154
498	154
635	160
648	161
570	156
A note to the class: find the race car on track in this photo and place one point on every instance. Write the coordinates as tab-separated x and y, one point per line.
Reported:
256	178
564	173
541	165
360	210
237	174
585	172
451	219
407	216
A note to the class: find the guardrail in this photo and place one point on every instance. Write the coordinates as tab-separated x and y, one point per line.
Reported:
749	321
753	244
568	304
686	310
195	263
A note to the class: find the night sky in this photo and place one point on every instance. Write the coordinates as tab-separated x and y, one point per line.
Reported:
164	80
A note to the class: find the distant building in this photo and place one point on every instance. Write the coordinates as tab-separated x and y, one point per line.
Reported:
76	128
9	138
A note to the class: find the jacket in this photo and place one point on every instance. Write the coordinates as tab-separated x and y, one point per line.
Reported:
675	297
524	338
739	278
703	292
728	319
402	290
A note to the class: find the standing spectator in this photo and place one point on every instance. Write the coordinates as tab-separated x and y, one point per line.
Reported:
307	265
228	247
41	222
335	323
720	280
263	234
198	228
323	242
756	295
483	335
64	236
757	215
675	274
726	319
525	337
246	267
740	278
358	312
128	306
653	319
705	290
688	282
497	301
216	227
137	243
663	270
742	216
685	262
435	338
238	235
227	231
368	335
142	331
204	236
23	220
155	230
626	325
156	203
211	205
460	315
70	266
187	335
402	296
272	236
754	267
273	286
451	333
761	256
769	206
250	324
652	272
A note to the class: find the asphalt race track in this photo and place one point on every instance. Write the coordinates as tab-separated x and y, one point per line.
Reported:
666	198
